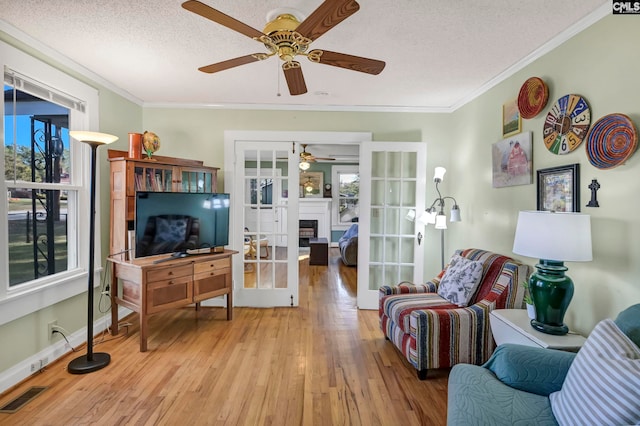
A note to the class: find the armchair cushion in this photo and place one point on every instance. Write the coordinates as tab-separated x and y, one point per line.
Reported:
603	383
461	280
536	370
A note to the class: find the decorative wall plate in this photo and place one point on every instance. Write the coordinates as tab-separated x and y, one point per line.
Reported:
611	141
566	124
533	97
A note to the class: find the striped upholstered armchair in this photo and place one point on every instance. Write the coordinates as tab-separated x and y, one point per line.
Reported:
432	332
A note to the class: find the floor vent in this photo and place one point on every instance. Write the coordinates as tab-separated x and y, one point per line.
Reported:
22	400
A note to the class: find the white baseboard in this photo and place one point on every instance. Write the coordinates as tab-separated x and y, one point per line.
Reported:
60	348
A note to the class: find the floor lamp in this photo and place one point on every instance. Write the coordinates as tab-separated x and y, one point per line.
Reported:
436	216
91	361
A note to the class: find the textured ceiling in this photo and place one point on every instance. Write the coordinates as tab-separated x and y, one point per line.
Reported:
439	53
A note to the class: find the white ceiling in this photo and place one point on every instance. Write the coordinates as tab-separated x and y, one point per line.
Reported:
439	53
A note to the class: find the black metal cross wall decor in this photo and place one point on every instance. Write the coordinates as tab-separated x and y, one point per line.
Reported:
594	186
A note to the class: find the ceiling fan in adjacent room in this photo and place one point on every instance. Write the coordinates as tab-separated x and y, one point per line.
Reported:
287	38
306	158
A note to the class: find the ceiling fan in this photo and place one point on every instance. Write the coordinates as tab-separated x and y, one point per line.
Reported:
287	38
306	157
309	157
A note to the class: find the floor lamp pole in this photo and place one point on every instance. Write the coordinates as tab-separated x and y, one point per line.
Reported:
91	361
442	247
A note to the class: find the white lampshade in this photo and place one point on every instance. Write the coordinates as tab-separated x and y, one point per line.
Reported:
455	214
411	215
304	165
563	237
101	138
439	174
428	217
441	221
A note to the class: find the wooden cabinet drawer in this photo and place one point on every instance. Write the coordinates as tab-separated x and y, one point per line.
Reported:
169	294
169	273
211	285
212	265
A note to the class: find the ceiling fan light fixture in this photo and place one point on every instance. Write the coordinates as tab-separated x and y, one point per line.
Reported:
283	22
304	165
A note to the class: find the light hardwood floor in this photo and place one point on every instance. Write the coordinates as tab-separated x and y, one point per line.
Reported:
322	363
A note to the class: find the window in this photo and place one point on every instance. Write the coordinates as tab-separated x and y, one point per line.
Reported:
45	182
346	206
37	179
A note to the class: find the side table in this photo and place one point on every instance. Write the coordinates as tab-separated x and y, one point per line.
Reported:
319	254
513	326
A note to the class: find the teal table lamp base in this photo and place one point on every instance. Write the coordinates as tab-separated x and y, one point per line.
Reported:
551	291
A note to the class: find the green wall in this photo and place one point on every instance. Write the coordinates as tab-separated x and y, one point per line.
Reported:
600	64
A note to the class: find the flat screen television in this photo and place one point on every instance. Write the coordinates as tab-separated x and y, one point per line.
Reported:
180	222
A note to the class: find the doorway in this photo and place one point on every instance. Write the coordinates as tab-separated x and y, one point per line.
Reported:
270	147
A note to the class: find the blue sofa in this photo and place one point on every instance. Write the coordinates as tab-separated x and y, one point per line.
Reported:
513	387
348	245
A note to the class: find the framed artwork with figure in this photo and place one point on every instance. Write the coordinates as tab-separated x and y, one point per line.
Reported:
512	161
559	188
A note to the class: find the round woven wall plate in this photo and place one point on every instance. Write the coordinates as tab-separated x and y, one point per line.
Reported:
611	141
533	97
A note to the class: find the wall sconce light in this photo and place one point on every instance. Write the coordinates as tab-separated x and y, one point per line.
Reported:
435	215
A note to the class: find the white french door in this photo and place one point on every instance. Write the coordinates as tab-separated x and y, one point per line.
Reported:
254	158
391	246
265	206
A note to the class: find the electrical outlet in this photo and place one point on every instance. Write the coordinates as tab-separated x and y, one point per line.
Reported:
50	328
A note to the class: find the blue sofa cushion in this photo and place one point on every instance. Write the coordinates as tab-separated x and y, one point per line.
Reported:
629	323
475	397
537	370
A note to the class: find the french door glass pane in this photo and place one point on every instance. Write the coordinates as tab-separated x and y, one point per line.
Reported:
265	194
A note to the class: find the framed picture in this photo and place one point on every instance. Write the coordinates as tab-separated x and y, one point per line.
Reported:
512	161
311	184
511	119
559	188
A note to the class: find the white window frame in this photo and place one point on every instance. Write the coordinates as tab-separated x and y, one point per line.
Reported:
336	171
24	299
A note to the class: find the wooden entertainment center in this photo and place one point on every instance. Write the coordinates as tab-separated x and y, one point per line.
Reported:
153	284
147	287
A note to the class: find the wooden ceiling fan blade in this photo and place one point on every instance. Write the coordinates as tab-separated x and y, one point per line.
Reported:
350	62
221	18
329	14
231	63
294	77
